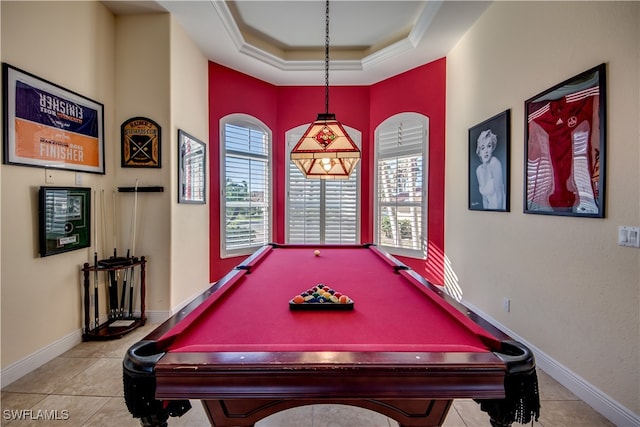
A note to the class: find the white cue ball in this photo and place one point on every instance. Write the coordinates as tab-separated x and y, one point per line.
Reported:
316	252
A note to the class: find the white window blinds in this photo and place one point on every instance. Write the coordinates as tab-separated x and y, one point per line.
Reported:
400	201
321	211
246	185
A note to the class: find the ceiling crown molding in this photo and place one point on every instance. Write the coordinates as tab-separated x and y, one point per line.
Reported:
414	38
418	31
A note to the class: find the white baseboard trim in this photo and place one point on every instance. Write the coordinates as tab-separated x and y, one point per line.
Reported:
35	360
187	301
38	358
157	317
591	395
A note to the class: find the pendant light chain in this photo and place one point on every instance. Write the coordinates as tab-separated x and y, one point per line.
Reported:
325	150
326	61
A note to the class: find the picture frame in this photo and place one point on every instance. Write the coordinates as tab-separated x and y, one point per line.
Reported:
140	141
565	147
64	218
489	164
192	172
48	126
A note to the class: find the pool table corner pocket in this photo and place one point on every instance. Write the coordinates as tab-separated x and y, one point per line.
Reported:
140	386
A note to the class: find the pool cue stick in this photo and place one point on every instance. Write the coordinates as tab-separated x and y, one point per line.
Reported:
95	290
113	293
123	296
131	287
116	276
96	309
133	248
115	226
120	307
113	296
103	230
135	209
103	217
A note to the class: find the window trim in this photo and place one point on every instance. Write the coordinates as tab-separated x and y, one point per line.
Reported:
248	121
292	136
395	120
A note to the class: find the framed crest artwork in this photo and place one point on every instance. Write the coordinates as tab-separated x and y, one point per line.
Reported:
565	136
140	143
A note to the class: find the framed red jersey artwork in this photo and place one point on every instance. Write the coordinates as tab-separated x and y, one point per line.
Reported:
565	137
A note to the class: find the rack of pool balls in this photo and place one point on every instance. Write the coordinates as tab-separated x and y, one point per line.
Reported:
321	297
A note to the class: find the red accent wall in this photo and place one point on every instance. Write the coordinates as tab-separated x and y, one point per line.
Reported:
231	92
423	91
361	107
300	105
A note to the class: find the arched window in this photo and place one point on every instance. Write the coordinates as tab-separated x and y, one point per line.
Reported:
318	210
245	181
400	202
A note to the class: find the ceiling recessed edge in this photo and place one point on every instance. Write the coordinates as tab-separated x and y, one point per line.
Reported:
281	64
229	23
426	17
388	52
418	31
428	14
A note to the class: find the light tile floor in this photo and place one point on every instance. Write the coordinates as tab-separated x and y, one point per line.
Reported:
83	387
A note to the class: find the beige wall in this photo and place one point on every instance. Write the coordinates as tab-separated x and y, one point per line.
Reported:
162	75
190	113
126	63
41	298
142	69
574	292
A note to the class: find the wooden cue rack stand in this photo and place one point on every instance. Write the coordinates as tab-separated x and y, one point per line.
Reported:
120	277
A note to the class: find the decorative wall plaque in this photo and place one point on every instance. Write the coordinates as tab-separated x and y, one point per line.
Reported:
140	143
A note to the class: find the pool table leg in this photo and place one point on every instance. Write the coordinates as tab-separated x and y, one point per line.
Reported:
160	420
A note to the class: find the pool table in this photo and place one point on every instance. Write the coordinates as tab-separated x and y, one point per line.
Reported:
403	348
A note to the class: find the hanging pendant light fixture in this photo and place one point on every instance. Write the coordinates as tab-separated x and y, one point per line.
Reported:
325	150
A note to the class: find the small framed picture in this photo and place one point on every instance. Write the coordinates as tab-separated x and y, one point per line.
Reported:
565	136
489	146
64	219
192	170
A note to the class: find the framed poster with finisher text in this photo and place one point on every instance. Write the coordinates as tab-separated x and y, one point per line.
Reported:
48	126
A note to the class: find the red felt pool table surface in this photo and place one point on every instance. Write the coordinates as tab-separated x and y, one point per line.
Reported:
405	350
392	311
